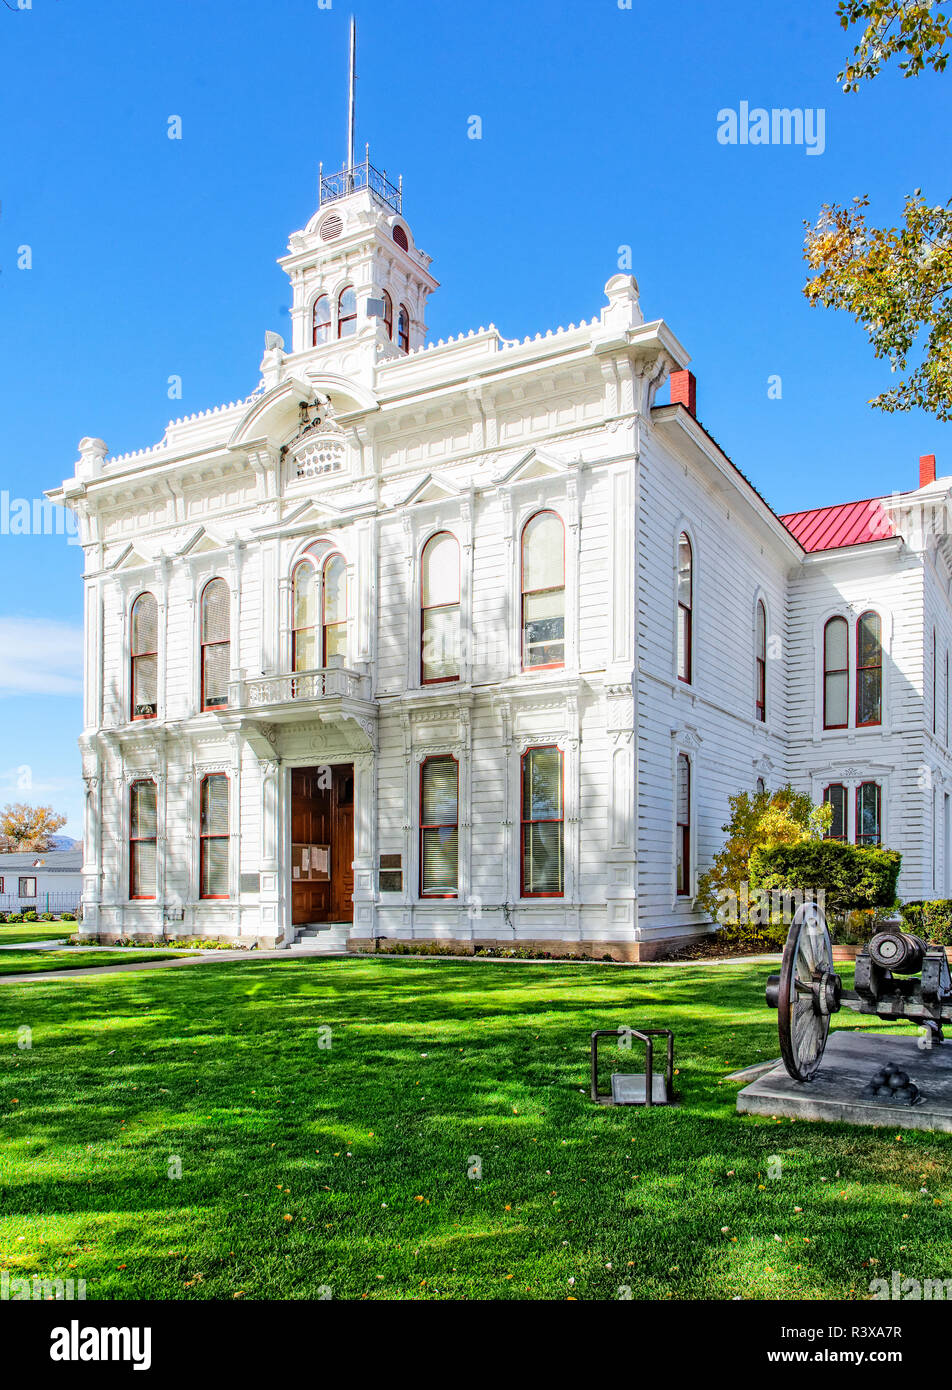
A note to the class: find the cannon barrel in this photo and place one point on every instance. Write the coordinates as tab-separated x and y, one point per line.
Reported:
898	951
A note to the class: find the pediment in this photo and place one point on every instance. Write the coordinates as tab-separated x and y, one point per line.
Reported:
433	488
129	559
532	466
200	543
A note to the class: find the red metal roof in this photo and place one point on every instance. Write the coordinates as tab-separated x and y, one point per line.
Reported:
849	523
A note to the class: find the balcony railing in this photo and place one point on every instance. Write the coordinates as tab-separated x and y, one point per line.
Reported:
302	687
347	181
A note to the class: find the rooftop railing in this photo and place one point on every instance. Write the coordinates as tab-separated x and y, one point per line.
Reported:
358	176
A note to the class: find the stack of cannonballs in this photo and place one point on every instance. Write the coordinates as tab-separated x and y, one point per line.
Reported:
892	1083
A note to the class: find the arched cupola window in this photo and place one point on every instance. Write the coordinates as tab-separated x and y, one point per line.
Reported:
440	609
760	661
403	329
836	675
321	321
869	669
388	314
347	312
543	591
334	611
685	609
216	644
305	618
145	657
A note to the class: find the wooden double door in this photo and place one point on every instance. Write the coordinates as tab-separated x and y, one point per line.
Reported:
322	844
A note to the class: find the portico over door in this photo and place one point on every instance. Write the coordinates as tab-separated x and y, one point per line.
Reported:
322	844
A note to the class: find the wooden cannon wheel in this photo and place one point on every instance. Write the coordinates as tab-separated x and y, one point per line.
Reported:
809	992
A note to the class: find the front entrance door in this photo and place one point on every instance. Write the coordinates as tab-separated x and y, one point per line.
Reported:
322	844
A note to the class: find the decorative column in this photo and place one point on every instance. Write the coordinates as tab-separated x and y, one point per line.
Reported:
365	844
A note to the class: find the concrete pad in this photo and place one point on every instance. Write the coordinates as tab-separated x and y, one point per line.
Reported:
848	1064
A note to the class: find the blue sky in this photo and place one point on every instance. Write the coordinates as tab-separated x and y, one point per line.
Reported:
153	258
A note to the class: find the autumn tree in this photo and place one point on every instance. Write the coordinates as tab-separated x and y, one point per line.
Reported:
24	827
895	281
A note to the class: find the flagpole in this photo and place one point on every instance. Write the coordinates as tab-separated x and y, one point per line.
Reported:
352	93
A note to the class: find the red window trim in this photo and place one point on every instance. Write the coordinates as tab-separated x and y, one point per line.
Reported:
324	323
203	644
26	878
761	663
836	670
203	838
1	884
345	318
136	656
434	607
305	560
403	337
141	839
866	839
445	825
688	610
334	555
846	830
683	832
934	700
548	820
523	591
878	666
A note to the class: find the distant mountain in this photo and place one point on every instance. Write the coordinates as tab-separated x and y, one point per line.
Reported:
64	842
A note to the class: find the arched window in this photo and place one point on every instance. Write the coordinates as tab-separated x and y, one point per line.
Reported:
836	675
388	314
400	237
868	813
439	617
682	818
439	827
403	329
543	591
145	657
305	619
321	321
760	661
347	312
685	609
869	670
334	612
934	683
216	644
214	835
143	834
835	796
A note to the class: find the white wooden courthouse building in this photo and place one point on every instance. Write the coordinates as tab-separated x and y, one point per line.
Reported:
472	641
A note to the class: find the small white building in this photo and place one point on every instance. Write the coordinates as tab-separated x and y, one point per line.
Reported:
41	881
473	640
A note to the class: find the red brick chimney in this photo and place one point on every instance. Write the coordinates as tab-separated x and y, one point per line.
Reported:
926	469
684	390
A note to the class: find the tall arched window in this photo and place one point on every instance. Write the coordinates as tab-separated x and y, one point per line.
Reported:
305	619
685	609
143	835
145	657
869	808
216	644
439	616
321	321
760	661
836	675
682	819
543	839
347	312
388	314
334	612
869	670
543	591
403	329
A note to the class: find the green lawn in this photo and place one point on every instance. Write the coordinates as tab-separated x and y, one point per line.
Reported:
13	932
37	962
345	1167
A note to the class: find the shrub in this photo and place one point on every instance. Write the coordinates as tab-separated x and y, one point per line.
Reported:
47	917
30	917
931	920
67	917
851	876
15	917
3	916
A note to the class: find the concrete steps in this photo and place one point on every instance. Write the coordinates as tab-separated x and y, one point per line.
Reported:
322	938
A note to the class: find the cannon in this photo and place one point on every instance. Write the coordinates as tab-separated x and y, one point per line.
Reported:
899	977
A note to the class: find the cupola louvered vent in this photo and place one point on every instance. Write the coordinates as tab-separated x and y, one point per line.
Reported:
331	227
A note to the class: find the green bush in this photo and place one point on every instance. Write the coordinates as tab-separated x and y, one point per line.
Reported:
753	937
30	916
851	876
15	917
931	920
47	917
67	917
3	916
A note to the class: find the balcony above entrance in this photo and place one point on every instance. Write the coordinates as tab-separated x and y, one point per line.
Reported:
299	695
